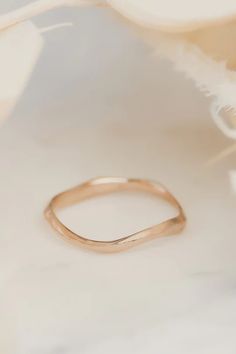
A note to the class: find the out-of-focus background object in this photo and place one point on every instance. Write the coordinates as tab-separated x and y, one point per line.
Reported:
197	36
176	16
20	47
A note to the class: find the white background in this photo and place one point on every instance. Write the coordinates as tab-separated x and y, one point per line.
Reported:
101	103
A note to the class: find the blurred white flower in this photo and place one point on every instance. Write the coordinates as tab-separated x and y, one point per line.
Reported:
20	47
197	36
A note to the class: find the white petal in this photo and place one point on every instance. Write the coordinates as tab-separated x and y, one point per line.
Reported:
176	15
20	47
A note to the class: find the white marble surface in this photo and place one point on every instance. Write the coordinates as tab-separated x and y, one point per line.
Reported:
100	103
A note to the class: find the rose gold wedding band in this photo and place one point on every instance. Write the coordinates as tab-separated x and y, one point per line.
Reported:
104	185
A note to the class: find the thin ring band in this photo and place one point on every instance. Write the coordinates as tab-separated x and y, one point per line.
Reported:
104	185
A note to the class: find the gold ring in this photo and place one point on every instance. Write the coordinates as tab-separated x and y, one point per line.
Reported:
104	185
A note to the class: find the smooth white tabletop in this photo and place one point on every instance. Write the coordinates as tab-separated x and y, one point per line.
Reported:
100	103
